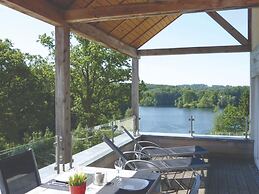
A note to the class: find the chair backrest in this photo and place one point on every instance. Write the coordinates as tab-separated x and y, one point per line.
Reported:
116	150
129	134
196	185
19	173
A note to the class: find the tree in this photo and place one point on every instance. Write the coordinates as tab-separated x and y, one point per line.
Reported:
25	105
231	120
99	82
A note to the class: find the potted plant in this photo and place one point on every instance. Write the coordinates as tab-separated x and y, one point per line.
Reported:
77	183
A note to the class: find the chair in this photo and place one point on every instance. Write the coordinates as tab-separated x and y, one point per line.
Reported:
155	151
196	185
19	173
163	166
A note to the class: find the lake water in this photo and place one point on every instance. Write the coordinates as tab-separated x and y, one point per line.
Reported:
175	120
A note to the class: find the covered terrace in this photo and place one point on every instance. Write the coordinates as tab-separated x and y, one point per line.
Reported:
126	25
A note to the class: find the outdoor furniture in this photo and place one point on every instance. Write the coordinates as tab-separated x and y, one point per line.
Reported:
196	185
173	165
19	173
154	151
59	185
165	167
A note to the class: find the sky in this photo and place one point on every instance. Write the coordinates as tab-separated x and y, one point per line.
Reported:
188	30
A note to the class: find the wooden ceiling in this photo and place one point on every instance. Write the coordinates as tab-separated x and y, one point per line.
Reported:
124	25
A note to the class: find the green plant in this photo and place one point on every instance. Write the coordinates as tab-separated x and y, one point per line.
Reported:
77	179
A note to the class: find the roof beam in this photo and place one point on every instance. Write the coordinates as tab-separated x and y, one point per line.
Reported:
228	27
45	11
127	11
90	32
194	50
40	9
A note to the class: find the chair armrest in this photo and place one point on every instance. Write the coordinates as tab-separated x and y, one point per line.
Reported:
141	161
153	147
149	142
137	153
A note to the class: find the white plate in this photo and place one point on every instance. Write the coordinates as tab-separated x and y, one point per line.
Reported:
133	184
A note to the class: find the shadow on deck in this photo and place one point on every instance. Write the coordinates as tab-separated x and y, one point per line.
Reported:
225	176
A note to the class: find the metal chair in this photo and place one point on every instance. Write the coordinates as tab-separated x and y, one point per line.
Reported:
154	151
196	185
165	167
19	173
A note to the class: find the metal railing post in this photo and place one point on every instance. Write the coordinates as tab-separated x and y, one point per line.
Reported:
247	128
191	119
57	148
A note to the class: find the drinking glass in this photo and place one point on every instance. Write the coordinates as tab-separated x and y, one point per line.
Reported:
118	164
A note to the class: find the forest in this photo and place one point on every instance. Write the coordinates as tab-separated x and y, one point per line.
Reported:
100	92
232	100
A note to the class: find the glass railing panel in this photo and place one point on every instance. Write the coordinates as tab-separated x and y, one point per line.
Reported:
87	137
192	121
43	149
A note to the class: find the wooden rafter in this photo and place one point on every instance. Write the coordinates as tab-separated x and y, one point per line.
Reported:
228	27
93	33
45	11
134	10
40	9
194	50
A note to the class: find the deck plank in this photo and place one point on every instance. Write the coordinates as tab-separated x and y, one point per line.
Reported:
228	176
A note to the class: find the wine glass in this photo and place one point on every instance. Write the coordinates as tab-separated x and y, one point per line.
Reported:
118	164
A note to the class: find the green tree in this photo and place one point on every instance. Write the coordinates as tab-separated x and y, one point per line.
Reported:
25	102
231	120
99	82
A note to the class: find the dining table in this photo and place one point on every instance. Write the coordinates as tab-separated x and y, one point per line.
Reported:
114	182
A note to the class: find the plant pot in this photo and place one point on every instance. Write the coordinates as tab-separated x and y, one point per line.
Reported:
78	189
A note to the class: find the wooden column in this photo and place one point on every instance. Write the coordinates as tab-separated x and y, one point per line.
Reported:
135	94
254	89
62	94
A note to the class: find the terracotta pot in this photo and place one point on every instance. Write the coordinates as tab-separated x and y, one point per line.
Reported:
78	189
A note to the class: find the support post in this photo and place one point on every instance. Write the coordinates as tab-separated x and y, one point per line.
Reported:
135	94
254	89
62	96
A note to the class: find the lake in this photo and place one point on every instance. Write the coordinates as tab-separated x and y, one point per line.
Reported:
175	120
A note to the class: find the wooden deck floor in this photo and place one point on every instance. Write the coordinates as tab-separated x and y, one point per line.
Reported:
227	176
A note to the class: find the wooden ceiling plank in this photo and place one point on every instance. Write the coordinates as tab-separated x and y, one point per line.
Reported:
145	31
153	34
40	9
81	4
93	33
133	29
116	27
194	50
148	29
228	27
107	26
134	10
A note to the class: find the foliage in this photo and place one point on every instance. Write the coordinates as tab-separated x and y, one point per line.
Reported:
128	113
194	96
100	92
77	179
99	77
84	138
233	119
26	98
42	145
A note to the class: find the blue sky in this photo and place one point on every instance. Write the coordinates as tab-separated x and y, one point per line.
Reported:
188	30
